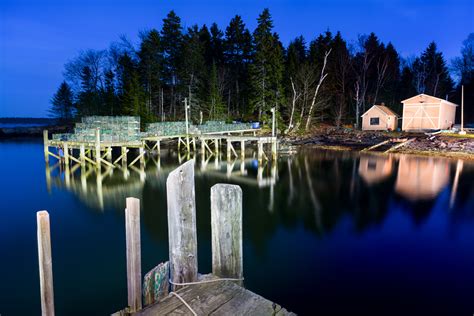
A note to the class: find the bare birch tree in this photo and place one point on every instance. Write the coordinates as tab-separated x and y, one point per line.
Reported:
316	90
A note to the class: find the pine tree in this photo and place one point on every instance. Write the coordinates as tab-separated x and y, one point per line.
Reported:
437	81
171	39
149	68
62	106
108	95
237	55
266	71
216	107
131	93
88	102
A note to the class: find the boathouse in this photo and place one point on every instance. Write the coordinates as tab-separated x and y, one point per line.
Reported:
425	112
379	118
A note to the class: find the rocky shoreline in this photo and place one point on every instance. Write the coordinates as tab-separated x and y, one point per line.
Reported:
453	146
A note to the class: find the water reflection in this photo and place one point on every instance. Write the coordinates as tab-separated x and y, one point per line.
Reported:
108	187
316	188
421	178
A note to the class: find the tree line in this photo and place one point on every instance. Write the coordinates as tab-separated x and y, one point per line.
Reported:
239	74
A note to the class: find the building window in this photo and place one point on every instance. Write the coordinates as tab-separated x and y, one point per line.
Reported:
374	121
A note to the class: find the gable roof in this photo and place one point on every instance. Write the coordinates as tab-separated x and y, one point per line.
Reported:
382	108
425	98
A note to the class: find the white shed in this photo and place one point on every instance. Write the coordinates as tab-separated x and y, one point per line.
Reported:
427	112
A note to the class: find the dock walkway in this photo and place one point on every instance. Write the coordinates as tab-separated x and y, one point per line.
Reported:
216	298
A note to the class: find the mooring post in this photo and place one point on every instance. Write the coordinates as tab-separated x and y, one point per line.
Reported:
226	225
97	147
66	154
46	145
45	263
182	224
134	265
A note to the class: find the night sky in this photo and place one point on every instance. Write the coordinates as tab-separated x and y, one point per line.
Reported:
38	37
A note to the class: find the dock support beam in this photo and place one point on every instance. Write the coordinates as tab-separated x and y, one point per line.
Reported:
45	263
226	225
216	143
242	150
260	152
182	224
229	144
97	148
158	147
134	269
82	155
46	145
66	154
124	155
274	149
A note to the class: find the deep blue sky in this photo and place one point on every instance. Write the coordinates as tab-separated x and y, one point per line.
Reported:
38	37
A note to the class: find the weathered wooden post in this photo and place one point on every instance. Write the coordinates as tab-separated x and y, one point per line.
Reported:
109	154
134	265
228	149
97	148
66	154
260	152
274	149
216	143
226	225
46	145
142	155
182	224
82	155
203	149
45	263
158	147
242	150
123	152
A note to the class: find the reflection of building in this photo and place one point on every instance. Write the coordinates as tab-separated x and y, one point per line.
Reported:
374	169
421	178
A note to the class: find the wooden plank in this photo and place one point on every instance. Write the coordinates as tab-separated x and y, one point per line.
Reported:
134	270
400	145
226	225
45	263
217	298
182	223
376	145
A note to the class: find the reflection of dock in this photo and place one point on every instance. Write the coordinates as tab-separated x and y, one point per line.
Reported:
99	188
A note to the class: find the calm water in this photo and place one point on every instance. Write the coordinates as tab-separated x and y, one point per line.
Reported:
325	233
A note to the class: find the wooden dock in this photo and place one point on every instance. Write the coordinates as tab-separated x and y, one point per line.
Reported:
175	287
100	153
217	298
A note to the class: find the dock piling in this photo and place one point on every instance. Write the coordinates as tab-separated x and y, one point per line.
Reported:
46	145
134	270
182	224
45	263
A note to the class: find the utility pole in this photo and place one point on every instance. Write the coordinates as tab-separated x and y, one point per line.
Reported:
462	132
186	107
273	121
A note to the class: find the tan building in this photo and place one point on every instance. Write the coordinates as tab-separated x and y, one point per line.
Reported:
427	112
379	118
